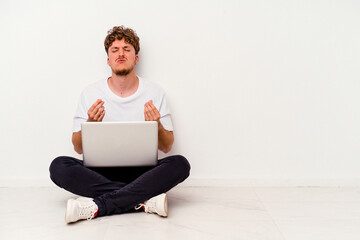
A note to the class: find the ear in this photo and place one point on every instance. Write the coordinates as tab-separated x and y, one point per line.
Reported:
137	58
108	62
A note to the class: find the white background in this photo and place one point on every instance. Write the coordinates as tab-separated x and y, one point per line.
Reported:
262	92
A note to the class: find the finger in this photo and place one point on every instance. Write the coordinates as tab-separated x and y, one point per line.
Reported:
155	113
98	114
152	113
94	105
93	116
102	116
98	108
151	105
148	102
148	116
95	110
155	110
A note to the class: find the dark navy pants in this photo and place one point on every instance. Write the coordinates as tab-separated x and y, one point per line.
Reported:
118	189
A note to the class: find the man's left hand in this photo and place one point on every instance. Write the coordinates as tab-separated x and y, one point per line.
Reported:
150	112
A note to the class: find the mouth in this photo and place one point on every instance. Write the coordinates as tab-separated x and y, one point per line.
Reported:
121	60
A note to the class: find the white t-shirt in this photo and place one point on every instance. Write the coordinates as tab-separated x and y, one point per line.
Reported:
123	109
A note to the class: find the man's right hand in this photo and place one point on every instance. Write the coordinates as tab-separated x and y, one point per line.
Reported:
96	112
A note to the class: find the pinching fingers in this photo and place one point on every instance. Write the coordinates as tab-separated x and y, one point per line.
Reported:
151	112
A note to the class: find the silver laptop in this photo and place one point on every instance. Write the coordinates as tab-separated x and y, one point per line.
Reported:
119	144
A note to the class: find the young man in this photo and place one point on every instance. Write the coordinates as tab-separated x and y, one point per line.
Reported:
122	97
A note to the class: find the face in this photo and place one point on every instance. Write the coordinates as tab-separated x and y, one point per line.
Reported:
122	58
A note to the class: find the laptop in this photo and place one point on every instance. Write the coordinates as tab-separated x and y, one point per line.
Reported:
120	144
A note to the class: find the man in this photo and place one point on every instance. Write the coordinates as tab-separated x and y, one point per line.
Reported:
122	97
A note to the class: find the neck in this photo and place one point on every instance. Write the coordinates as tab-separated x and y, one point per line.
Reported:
124	86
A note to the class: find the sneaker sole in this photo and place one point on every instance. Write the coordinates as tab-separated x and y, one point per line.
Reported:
69	209
165	207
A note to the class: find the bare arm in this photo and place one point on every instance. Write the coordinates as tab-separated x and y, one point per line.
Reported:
165	138
77	142
96	113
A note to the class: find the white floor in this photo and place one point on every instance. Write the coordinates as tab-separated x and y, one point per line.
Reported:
194	213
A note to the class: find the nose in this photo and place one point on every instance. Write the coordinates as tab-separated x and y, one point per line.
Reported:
121	52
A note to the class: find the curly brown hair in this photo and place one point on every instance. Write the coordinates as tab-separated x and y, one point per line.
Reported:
120	32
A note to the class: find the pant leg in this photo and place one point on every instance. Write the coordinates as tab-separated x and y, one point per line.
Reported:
70	173
169	172
118	190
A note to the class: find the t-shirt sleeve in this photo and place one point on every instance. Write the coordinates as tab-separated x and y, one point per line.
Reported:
165	115
81	113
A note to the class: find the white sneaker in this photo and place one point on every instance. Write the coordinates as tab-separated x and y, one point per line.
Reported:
80	208
157	204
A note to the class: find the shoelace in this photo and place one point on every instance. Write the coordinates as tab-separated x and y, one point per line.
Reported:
88	211
150	207
139	206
